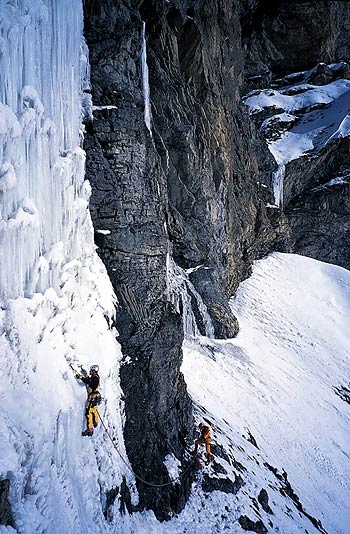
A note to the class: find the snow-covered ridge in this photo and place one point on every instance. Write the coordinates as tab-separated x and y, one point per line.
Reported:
303	117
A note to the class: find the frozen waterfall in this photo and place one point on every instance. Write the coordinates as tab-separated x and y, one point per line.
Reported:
43	198
180	292
277	183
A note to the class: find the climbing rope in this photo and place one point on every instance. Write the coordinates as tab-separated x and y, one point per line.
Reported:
128	466
126	463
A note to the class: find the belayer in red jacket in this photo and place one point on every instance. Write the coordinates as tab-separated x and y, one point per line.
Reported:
203	440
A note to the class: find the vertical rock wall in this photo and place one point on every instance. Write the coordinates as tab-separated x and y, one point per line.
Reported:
189	188
129	213
216	211
281	37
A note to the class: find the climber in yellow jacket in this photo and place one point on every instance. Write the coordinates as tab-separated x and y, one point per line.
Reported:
92	382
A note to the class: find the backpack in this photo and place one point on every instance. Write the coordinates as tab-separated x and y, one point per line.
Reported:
95	398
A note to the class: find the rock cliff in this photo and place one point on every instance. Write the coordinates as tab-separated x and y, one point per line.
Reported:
284	48
185	178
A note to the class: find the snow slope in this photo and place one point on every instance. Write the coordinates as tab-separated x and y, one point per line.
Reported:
274	382
277	377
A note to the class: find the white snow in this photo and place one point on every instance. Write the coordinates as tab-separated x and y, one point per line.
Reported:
316	127
277	377
103	232
99	108
316	115
274	381
302	96
339	180
290	146
173	466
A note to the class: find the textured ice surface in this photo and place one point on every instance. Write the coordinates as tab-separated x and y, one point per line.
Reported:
40	159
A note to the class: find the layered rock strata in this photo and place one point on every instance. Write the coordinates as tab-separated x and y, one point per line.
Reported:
183	175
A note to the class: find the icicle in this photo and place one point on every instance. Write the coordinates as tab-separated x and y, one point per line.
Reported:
277	183
145	80
179	292
43	198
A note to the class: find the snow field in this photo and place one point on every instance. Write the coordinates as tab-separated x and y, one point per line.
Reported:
58	478
277	377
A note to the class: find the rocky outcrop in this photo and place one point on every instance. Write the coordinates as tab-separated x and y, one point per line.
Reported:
5	508
252	526
280	42
315	184
185	175
182	183
281	37
319	215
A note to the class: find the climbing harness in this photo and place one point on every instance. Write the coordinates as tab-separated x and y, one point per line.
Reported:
154	485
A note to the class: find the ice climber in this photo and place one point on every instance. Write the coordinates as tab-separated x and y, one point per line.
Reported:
92	382
203	440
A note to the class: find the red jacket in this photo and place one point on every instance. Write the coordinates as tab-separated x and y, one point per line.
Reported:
205	433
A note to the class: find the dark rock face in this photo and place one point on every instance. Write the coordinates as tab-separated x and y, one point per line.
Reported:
263	499
222	484
190	189
319	216
5	509
129	202
282	37
343	392
279	40
216	216
252	526
195	187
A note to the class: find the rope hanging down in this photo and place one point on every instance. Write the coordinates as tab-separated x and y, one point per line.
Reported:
128	466
126	463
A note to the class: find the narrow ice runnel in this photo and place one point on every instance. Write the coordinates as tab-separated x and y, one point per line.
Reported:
277	183
180	291
145	80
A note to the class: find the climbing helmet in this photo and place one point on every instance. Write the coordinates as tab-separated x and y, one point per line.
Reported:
94	368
